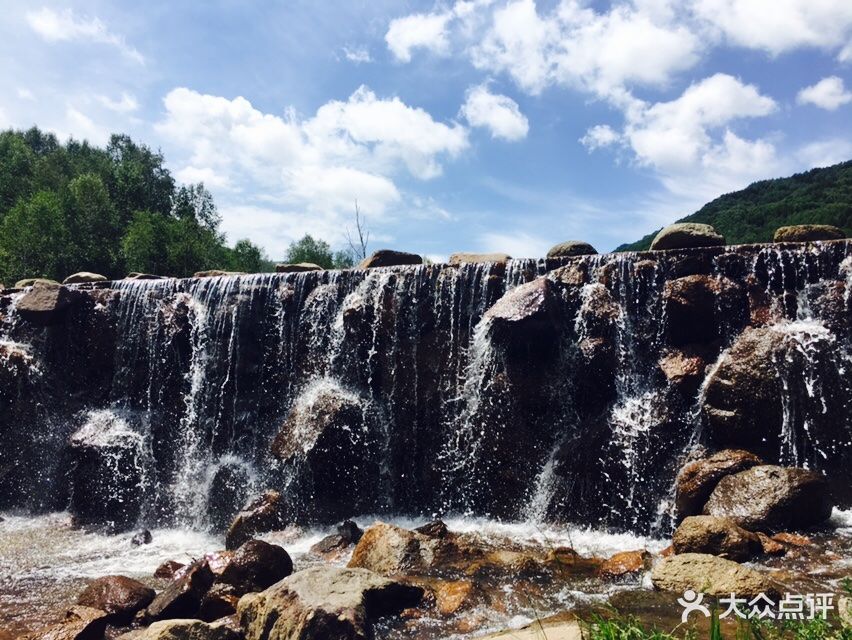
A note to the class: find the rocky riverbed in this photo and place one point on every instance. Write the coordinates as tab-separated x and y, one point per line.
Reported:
466	578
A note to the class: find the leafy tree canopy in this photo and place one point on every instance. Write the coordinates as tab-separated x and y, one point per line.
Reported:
819	196
75	207
318	252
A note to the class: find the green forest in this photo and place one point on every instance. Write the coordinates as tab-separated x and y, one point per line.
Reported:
76	207
821	196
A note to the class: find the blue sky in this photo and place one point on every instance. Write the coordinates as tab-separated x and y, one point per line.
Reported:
475	125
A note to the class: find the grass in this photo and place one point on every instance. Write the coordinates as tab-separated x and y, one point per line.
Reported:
629	628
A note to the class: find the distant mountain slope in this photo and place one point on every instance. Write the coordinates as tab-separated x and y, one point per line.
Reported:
752	215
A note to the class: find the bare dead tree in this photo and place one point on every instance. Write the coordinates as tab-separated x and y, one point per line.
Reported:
358	245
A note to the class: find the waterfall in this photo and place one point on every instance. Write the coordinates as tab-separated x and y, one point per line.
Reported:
410	390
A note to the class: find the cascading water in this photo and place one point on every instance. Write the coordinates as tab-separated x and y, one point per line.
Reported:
543	389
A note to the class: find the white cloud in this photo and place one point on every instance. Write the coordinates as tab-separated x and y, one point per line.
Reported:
599	136
779	26
313	169
25	94
824	153
126	104
845	54
498	113
80	126
829	93
357	55
518	244
418	31
55	26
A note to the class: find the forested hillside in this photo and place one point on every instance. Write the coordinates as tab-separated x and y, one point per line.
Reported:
752	215
75	207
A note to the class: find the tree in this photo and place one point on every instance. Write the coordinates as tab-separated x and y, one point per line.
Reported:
17	164
140	181
358	244
248	257
144	244
93	225
34	240
196	202
309	250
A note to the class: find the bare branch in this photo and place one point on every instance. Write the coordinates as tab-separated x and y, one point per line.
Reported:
358	246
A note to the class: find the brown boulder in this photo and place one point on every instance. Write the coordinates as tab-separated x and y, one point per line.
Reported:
808	233
29	282
119	596
348	534
771	547
716	536
215	273
451	597
389	258
696	480
625	564
683	368
221	601
769	498
185	630
168	569
46	304
711	575
81	623
182	598
264	513
255	566
324	603
792	539
571	248
685	235
390	550
458	259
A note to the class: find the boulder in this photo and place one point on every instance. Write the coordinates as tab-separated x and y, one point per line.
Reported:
458	259
297	267
742	401
769	498
769	546
81	623
220	602
391	550
348	534
47	303
686	235
716	536
229	493
29	282
264	513
389	258
215	273
625	564
168	569
433	529
697	479
182	598
324	603
808	233
571	248
186	630
134	275
525	321
695	307
84	276
711	575
140	538
542	630
684	368
330	439
106	475
792	539
119	596
255	566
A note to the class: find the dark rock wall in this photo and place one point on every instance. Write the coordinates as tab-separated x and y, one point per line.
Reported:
567	389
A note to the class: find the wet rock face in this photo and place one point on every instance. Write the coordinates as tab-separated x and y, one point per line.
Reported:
324	603
107	473
703	573
81	623
697	305
716	536
330	438
696	480
120	597
182	598
47	304
769	498
264	513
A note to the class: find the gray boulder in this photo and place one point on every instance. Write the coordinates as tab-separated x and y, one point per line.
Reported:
84	276
716	536
324	603
297	267
711	575
808	233
696	480
571	248
389	258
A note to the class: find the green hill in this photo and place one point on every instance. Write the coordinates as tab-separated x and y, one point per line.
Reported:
821	196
